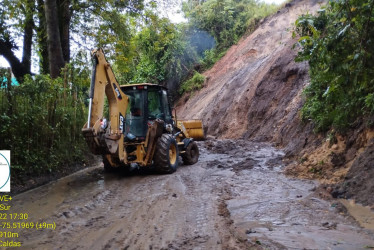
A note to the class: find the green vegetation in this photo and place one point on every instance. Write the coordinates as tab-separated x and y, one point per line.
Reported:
40	123
211	57
161	52
193	84
338	43
41	118
226	20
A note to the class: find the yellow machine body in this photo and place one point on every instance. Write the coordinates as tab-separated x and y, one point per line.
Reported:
165	137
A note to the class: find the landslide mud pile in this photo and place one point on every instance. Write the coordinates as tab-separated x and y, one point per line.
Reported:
254	91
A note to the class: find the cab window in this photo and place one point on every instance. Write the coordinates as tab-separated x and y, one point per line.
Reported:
165	101
135	113
154	105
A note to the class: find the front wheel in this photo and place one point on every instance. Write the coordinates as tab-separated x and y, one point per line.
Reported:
191	156
166	154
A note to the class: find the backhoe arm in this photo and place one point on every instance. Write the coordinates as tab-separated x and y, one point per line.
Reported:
105	138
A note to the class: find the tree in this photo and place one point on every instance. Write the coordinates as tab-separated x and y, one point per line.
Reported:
164	53
7	44
56	20
56	58
41	32
226	20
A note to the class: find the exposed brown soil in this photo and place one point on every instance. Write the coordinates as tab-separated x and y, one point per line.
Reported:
208	205
236	196
22	182
255	92
358	183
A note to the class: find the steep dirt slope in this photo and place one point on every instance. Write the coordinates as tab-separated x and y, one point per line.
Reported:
254	90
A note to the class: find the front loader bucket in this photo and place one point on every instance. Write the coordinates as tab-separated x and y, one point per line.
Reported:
192	129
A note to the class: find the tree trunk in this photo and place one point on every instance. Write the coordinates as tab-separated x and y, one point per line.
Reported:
65	17
42	38
56	59
7	45
9	92
18	68
27	35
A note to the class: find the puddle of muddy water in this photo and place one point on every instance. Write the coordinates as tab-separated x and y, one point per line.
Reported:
279	212
363	215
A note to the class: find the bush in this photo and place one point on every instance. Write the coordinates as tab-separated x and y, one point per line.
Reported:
226	20
338	43
41	123
193	84
210	58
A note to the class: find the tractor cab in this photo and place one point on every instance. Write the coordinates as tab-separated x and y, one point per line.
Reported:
141	131
147	102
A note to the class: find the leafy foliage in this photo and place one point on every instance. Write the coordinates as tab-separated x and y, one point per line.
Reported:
338	43
157	44
211	57
41	122
41	119
161	53
193	84
111	28
226	20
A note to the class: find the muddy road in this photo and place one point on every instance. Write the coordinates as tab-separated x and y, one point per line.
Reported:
235	197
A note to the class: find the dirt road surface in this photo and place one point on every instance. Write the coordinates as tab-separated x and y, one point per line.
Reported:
235	197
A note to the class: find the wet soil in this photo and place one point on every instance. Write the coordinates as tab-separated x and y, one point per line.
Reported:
358	183
235	197
255	92
22	181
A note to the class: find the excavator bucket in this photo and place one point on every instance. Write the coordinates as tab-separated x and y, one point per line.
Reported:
192	129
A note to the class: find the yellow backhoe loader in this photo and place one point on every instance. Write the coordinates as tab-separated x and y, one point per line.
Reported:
141	130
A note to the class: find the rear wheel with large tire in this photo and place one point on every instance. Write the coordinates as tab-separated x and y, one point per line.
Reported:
191	156
166	154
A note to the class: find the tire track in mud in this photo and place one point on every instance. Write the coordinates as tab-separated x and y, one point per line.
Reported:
194	189
225	201
86	216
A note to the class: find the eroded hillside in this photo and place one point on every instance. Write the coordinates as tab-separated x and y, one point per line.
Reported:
255	92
